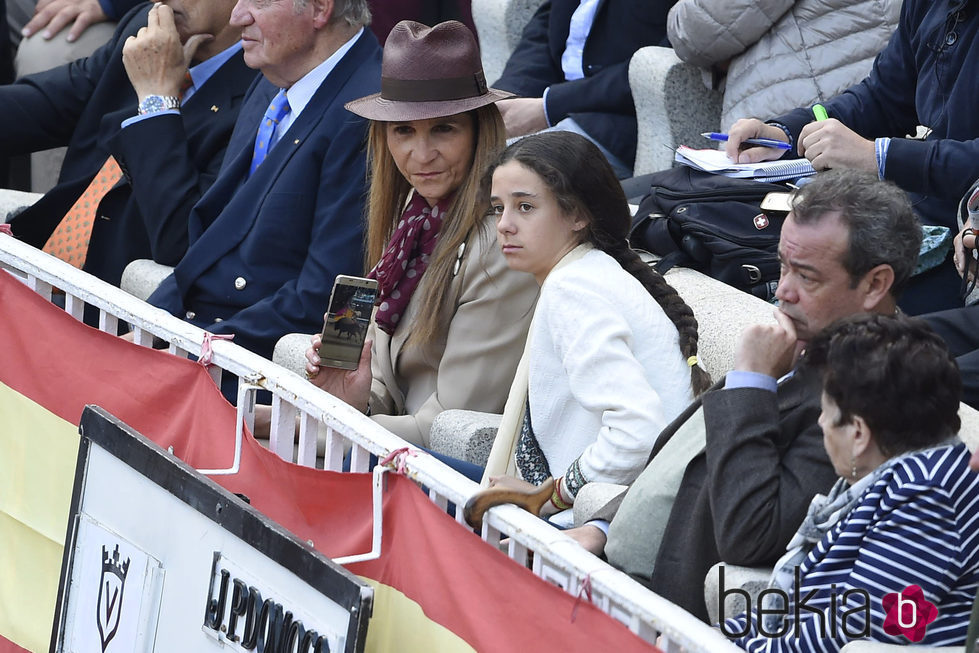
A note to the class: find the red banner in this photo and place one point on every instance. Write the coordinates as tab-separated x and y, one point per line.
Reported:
459	582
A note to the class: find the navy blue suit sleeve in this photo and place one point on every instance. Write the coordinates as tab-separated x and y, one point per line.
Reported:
116	8
618	30
166	181
172	159
607	91
41	111
531	69
166	296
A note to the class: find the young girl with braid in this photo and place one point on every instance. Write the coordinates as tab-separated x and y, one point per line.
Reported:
611	357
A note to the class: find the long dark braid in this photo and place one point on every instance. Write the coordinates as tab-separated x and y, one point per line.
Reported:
583	183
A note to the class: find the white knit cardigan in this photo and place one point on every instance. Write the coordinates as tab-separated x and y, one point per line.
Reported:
605	370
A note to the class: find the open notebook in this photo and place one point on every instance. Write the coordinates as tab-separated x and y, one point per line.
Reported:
716	161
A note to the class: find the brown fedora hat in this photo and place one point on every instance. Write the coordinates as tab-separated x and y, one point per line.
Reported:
428	72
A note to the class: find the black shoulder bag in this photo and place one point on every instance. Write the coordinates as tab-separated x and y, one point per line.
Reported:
713	224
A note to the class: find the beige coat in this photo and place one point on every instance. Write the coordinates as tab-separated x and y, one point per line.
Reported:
783	53
472	365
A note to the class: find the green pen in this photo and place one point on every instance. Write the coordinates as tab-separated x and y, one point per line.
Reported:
819	111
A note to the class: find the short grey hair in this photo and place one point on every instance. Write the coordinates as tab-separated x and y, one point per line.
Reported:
883	227
355	13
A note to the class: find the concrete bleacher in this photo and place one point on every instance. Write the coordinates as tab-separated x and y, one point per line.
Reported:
12	201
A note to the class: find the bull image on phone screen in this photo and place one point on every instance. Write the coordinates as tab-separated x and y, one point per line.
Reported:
348	316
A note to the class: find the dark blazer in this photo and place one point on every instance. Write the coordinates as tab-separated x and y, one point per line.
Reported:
958	328
265	250
116	8
169	161
6	54
743	499
601	102
922	77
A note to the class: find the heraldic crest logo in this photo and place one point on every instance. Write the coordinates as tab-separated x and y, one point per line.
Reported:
111	586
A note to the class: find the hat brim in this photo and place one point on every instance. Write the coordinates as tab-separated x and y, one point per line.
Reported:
374	107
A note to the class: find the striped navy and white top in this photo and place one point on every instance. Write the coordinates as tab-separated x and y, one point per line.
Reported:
917	525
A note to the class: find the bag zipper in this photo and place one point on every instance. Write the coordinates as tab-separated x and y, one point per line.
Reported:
739	193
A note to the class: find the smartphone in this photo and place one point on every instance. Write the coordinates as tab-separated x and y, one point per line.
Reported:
777	203
347	318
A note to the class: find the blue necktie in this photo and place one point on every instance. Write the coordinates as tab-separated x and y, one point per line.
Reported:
277	110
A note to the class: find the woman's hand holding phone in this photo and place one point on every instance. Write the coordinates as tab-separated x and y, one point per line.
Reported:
352	386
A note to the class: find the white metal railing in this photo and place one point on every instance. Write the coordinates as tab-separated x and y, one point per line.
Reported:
556	557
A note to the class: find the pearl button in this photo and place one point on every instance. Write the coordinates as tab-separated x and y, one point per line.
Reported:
240	283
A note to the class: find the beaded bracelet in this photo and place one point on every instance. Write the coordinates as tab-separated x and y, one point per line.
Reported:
556	500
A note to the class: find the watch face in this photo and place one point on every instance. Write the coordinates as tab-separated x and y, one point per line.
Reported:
153	103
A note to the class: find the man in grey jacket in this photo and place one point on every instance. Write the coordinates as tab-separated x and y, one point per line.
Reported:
771	56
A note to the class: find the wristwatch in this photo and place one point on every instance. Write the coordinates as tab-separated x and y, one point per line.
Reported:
154	103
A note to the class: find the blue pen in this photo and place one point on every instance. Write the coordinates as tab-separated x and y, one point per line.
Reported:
763	142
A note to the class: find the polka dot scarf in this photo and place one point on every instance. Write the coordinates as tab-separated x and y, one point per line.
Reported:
404	261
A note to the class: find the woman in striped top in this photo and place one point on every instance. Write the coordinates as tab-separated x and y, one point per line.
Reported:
892	553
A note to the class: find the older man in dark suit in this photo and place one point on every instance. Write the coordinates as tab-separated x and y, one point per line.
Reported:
285	214
132	104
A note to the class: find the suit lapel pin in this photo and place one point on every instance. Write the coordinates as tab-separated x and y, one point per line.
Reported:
296	142
214	108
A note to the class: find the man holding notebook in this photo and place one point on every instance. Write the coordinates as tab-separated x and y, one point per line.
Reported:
920	78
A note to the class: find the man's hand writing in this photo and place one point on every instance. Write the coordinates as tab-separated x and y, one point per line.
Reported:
752	128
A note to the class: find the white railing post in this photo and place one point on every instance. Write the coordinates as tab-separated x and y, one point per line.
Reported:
343	428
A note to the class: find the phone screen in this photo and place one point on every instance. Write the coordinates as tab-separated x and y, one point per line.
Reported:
349	314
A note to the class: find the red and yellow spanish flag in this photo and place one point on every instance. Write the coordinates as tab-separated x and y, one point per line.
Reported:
437	585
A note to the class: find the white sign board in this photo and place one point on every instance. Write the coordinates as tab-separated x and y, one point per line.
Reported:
160	558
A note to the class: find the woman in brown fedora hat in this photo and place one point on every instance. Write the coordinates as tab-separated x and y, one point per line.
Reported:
451	317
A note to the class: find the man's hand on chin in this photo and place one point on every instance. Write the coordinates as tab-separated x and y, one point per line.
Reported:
155	59
770	349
